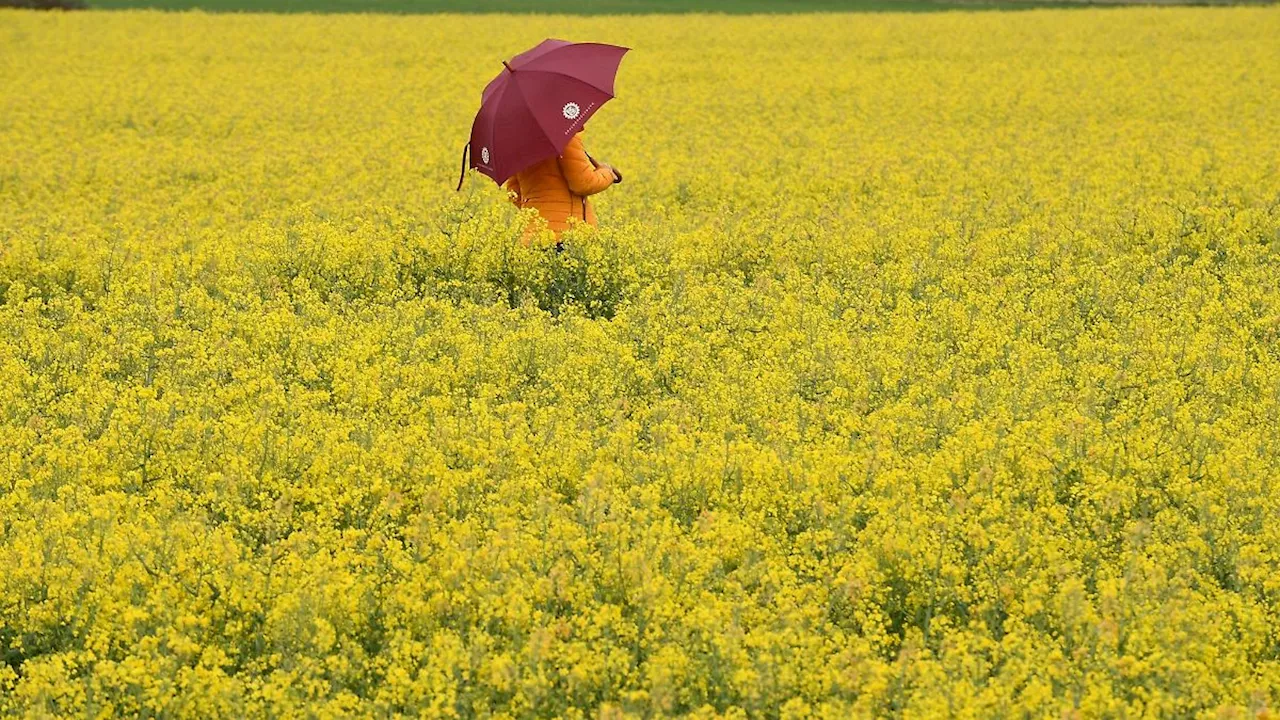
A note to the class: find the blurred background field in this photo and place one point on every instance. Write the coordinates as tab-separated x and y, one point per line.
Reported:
602	7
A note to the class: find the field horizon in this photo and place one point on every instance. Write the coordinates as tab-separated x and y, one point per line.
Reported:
639	7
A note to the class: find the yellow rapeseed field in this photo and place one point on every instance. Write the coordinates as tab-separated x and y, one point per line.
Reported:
923	366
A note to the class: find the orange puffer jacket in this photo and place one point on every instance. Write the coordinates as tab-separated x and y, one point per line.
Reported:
558	187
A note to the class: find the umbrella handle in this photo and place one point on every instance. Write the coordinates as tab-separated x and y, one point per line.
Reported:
597	165
463	173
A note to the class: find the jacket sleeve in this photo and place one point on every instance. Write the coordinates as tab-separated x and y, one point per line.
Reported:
583	177
513	186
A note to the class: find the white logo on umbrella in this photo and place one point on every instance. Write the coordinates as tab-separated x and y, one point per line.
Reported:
484	155
571	111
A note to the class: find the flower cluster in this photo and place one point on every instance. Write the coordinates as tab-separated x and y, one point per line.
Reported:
923	366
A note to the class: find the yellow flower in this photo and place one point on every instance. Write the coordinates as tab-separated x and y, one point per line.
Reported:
924	366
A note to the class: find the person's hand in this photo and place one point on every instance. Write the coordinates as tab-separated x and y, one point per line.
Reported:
617	176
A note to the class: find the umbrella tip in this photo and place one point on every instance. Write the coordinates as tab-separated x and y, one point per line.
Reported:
507	65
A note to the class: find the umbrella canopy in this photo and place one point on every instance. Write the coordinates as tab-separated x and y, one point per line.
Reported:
543	96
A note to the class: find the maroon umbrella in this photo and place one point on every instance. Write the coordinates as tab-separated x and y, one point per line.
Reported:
531	110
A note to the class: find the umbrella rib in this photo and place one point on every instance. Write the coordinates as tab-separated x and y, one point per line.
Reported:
574	78
492	138
536	120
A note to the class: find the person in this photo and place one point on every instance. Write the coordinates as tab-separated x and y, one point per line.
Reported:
558	188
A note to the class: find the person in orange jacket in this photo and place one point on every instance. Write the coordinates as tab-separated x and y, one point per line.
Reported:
558	187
